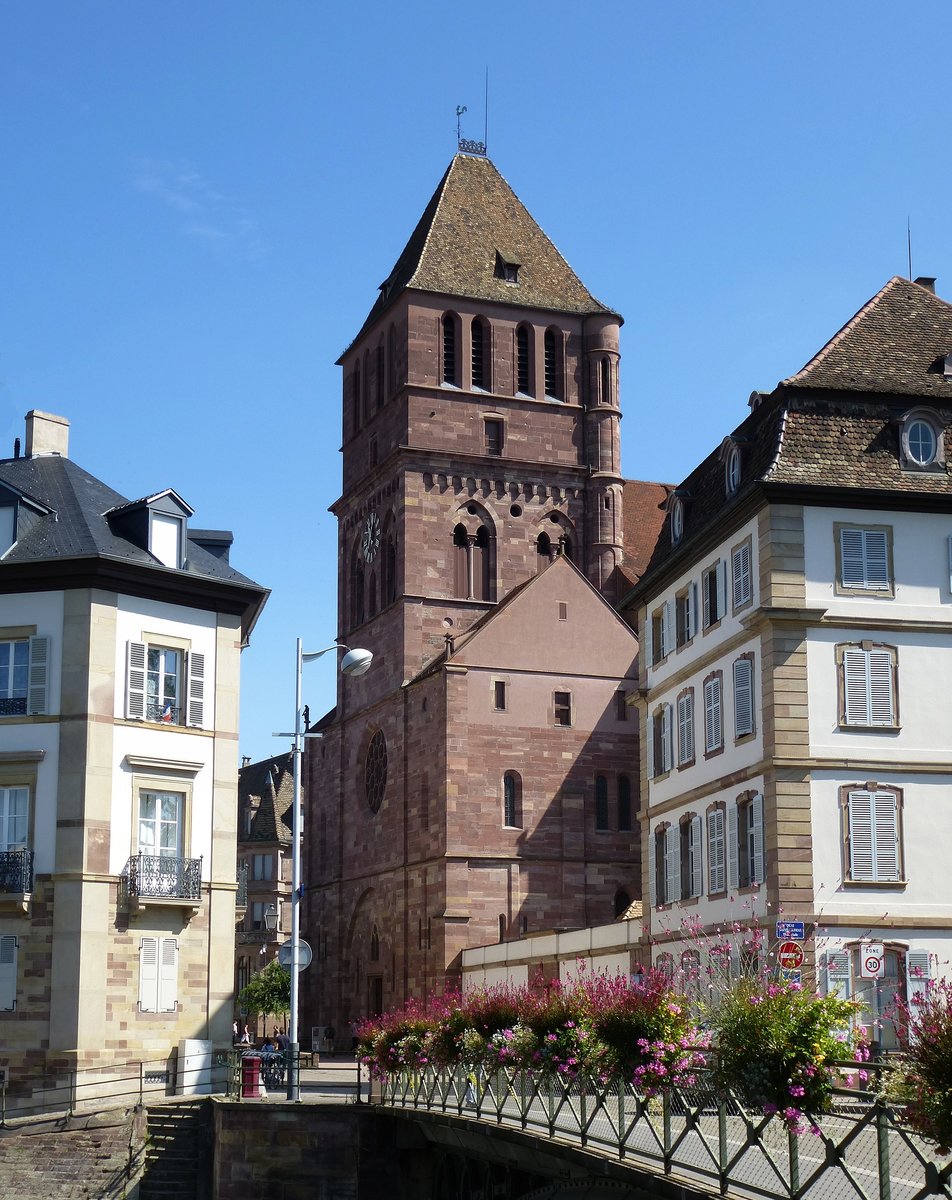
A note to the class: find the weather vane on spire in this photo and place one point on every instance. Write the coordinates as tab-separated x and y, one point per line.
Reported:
464	144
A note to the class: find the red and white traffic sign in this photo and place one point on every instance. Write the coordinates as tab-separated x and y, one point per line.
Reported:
872	960
790	956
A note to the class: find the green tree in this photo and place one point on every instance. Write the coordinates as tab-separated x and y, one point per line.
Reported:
268	992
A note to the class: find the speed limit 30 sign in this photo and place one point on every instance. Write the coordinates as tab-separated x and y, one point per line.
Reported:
872	957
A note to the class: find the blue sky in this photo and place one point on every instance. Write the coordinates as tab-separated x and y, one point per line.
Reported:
200	199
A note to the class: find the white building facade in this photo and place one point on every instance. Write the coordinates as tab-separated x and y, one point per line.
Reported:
796	626
120	635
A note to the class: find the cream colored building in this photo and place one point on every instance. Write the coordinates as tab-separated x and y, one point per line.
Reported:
796	622
120	637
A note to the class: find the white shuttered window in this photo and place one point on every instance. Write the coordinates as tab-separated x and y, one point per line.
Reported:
716	860
743	697
741	579
158	974
873	835
713	716
8	972
685	728
864	559
868	686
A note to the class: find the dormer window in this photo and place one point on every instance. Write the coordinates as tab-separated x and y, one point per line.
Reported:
507	271
677	519
8	527
732	470
921	442
166	539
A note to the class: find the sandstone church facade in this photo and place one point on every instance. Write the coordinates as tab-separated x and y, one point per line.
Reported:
480	782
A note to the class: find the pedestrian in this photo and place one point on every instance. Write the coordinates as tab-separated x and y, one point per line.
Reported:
283	1042
246	1036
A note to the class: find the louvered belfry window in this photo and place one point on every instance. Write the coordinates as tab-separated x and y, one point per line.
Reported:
449	349
551	365
478	353
523	381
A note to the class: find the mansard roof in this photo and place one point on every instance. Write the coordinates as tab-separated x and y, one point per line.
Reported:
473	220
831	432
896	343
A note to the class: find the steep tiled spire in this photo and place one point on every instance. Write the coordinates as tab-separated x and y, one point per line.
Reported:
473	225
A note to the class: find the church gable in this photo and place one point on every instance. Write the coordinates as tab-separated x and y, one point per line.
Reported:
556	623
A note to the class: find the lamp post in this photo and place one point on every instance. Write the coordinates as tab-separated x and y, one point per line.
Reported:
355	662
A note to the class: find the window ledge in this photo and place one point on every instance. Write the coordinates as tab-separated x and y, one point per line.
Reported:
16	902
190	905
892	884
869	728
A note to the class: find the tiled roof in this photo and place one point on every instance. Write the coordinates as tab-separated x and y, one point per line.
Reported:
643	508
895	343
269	784
836	424
473	218
75	524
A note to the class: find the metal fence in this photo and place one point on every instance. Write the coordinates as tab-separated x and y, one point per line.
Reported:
710	1141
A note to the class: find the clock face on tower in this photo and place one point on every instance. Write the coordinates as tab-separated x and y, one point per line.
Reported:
370	542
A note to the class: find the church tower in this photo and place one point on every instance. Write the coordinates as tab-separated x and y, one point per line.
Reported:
480	447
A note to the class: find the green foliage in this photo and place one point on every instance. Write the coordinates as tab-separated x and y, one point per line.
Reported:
268	992
922	1080
775	1043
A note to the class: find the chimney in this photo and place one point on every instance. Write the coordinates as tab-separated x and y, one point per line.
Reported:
46	434
926	281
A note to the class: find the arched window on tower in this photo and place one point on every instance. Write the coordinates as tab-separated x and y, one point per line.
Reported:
372	595
480	354
523	369
355	399
606	370
374	945
450	344
512	800
356	588
482	565
622	902
601	803
389	564
553	365
461	562
543	550
624	804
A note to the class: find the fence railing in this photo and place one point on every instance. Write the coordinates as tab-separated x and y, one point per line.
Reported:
241	896
16	871
158	876
137	1081
860	1151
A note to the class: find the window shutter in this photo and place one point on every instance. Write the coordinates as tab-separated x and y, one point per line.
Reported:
708	616
856	687
885	815
135	681
918	966
666	737
881	707
697	857
650	746
8	972
713	730
685	728
852	566
740	570
757	838
860	824
717	880
168	975
196	689
721	570
39	674
731	844
838	978
667	627
652	870
148	974
877	559
646	647
743	697
672	864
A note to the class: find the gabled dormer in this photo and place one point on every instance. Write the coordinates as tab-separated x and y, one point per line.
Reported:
18	515
158	524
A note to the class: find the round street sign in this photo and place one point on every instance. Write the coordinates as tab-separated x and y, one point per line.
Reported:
790	956
304	954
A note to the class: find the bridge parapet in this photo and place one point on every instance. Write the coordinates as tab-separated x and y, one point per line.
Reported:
707	1141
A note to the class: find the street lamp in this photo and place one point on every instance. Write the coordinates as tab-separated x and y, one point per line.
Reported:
355	662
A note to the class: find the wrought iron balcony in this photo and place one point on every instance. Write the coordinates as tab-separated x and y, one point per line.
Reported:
158	878
16	872
241	898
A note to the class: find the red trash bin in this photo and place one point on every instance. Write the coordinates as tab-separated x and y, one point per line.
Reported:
250	1076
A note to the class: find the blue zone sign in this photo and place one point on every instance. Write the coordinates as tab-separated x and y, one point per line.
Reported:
790	931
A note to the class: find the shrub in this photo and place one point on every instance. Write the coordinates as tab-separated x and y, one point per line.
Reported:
922	1080
774	1045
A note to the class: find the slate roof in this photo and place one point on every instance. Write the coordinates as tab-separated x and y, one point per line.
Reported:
643	515
270	783
473	216
893	344
75	523
835	425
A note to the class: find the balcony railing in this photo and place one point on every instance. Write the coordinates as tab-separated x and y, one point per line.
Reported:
157	877
16	872
241	898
